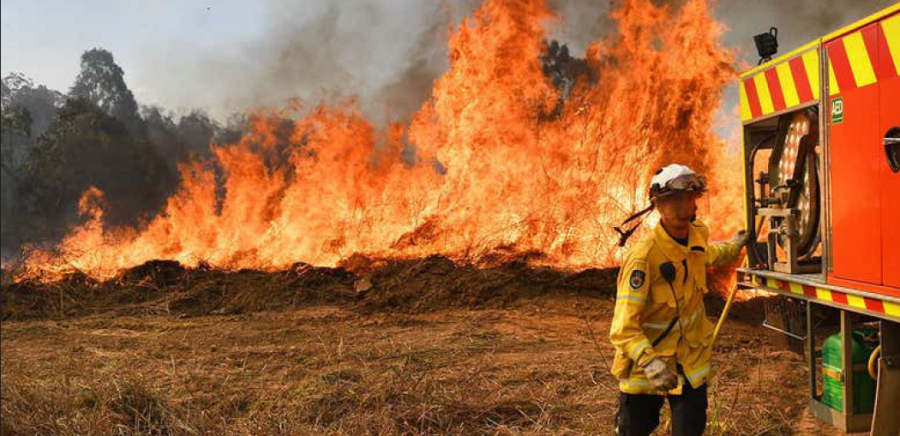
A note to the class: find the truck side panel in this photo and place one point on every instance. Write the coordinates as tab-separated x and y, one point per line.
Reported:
856	194
887	72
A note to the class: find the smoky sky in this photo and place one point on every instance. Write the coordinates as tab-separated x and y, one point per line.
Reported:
798	21
386	54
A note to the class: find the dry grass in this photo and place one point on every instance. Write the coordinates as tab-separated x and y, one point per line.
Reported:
507	351
327	370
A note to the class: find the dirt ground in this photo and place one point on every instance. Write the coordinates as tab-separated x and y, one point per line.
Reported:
376	361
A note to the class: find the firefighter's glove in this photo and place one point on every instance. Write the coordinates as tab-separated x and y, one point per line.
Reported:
661	377
741	238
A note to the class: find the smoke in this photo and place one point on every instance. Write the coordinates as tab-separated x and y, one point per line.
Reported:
581	22
798	21
384	54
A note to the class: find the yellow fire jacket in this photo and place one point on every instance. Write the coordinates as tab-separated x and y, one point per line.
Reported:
646	304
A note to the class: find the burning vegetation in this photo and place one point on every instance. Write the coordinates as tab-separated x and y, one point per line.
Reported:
521	150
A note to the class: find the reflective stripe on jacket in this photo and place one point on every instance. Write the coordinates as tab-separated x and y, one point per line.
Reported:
646	304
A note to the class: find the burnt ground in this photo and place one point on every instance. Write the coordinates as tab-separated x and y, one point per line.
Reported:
407	347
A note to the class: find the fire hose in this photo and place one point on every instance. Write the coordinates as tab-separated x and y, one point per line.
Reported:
731	295
873	360
723	316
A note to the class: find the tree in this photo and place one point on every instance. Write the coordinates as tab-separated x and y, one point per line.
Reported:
16	130
40	101
102	82
160	131
234	128
564	71
26	111
197	130
84	147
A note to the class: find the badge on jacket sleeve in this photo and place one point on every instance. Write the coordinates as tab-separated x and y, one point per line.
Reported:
637	279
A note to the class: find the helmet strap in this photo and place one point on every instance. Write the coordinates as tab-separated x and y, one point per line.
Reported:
625	234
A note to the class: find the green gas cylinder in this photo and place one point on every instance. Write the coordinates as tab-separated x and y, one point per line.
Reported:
863	385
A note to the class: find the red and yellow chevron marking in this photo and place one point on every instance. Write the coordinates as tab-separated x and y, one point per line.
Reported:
852	64
889	308
785	85
853	58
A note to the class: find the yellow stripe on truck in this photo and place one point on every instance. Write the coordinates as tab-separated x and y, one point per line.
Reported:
745	106
860	64
892	309
833	87
811	64
762	90
891	28
787	84
856	301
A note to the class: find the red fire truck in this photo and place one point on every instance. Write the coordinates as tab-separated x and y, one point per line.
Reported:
821	147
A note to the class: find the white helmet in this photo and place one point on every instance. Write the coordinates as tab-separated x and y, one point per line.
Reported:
669	180
674	178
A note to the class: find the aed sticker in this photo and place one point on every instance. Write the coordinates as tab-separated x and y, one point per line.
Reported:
837	110
637	279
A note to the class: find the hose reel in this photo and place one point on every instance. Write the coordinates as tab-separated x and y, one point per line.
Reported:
789	194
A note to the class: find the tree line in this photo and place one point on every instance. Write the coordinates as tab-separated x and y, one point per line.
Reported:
55	146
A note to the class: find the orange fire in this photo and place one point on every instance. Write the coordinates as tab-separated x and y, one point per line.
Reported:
517	171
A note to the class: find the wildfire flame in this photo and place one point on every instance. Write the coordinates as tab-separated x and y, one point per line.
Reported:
503	164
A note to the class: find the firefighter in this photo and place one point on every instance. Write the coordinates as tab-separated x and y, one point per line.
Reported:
659	329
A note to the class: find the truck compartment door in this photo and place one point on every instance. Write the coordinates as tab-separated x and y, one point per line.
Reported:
889	130
857	156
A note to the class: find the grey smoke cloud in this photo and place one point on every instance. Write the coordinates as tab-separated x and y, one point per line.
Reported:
388	53
384	53
798	21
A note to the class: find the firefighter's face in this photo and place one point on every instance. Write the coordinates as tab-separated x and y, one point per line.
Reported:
678	209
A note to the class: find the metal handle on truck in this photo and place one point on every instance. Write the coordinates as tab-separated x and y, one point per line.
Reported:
892	148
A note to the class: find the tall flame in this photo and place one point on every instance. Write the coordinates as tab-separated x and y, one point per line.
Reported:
502	164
